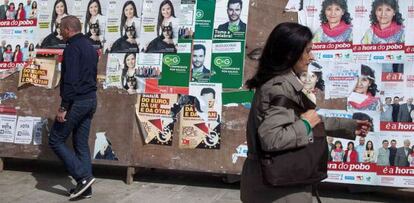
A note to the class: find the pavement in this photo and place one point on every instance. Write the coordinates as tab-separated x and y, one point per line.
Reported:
39	181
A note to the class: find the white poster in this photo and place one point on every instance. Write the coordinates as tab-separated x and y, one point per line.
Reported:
24	130
340	78
7	127
37	130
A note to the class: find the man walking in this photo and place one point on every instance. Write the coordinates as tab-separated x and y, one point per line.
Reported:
78	93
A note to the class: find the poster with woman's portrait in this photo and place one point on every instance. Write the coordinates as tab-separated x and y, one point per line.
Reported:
122	32
122	72
92	15
230	19
49	17
331	22
408	7
365	95
160	26
380	30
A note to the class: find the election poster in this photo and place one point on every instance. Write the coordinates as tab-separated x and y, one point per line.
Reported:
201	70
24	130
204	19
92	14
38	72
122	72
200	118
103	148
123	26
155	117
332	25
339	78
38	125
227	63
7	127
379	36
230	19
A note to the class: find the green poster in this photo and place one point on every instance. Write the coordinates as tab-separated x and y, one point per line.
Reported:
241	96
227	63
175	69
204	19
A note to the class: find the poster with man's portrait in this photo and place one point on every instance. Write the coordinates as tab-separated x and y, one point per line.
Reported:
200	120
201	61
230	19
122	32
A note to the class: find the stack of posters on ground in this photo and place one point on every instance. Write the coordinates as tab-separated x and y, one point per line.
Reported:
200	118
156	118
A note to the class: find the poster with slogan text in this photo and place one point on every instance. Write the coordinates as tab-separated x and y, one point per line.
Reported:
7	127
200	118
156	122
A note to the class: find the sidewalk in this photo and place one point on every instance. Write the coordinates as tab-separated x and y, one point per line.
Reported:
34	181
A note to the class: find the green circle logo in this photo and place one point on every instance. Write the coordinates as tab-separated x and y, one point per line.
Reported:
171	60
223	61
199	14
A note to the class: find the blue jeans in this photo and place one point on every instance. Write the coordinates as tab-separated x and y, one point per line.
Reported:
78	122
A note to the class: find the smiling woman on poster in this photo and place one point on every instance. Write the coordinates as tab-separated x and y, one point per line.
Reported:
129	72
367	88
386	23
94	15
335	22
166	16
60	10
129	17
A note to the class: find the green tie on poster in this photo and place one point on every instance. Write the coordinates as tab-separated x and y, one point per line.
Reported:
204	19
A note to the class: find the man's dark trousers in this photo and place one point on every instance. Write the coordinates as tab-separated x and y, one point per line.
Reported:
78	122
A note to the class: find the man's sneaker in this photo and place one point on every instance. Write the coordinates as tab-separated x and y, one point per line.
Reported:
81	187
87	194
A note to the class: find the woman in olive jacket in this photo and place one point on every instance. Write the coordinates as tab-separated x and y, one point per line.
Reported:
275	128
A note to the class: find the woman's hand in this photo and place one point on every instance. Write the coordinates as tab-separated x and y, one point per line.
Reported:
312	117
363	127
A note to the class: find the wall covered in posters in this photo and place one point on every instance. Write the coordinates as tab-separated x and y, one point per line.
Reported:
364	56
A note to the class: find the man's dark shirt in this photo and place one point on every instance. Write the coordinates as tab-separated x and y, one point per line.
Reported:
395	110
393	151
79	71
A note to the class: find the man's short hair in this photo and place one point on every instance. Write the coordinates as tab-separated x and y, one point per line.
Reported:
208	90
384	141
200	46
393	141
72	23
235	2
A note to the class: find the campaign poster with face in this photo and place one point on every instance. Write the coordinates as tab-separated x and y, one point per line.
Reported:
331	22
395	159
201	61
379	32
365	95
200	120
155	117
230	19
204	20
349	161
149	65
122	32
92	15
160	26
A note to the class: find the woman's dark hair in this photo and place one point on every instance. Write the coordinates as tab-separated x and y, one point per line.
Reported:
367	71
88	14
364	117
9	46
351	143
338	142
372	145
320	84
284	47
342	4
123	16
160	17
34	4
54	14
16	16
125	58
393	4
